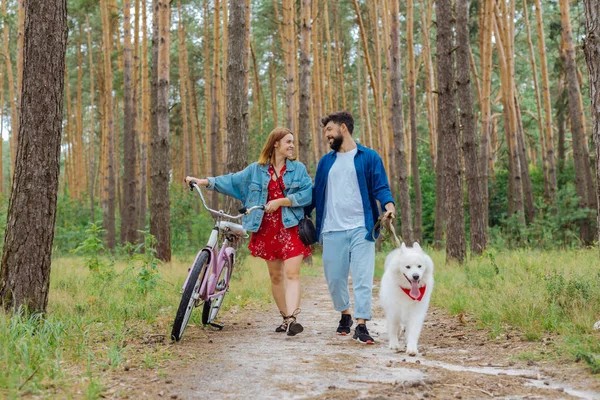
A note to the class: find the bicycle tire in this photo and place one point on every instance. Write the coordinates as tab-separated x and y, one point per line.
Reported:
187	303
212	306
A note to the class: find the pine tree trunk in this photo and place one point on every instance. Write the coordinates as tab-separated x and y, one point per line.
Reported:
485	155
129	204
290	64
237	94
145	117
548	133
304	109
25	270
478	224
397	126
81	168
592	55
504	46
186	150
538	102
525	177
429	77
447	123
14	119
108	220
580	154
92	132
215	97
412	96
159	146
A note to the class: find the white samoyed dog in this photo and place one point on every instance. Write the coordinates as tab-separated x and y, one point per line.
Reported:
405	292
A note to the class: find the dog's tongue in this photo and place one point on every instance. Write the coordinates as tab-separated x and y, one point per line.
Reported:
414	289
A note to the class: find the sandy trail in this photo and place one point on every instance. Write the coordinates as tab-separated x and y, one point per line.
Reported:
247	359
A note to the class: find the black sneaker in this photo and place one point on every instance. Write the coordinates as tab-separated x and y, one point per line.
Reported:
362	334
294	328
345	324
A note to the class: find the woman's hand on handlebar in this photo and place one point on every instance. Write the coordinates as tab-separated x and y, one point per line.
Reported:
199	182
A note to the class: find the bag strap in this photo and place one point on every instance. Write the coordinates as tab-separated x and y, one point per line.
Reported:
282	192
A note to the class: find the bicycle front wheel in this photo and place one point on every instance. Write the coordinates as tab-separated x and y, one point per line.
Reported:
212	306
190	296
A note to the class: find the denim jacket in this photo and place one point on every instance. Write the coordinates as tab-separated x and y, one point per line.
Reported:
372	182
250	186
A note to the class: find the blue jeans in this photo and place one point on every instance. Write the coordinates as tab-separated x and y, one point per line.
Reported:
349	252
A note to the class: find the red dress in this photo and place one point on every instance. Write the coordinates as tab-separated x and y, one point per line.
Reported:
273	241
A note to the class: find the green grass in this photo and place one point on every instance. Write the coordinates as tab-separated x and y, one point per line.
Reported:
97	322
538	293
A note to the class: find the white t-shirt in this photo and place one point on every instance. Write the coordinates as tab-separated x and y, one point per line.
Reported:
343	204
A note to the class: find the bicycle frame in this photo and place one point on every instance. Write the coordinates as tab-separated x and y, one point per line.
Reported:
226	254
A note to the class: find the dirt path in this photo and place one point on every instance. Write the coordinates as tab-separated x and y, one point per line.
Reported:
247	359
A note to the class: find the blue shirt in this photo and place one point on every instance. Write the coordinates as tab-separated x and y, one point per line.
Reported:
372	182
250	186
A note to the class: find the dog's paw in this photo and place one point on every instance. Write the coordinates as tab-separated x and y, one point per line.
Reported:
411	351
394	346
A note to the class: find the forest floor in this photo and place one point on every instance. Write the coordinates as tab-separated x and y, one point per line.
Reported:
247	359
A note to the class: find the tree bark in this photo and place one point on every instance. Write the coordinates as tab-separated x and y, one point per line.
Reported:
237	93
160	167
128	211
397	126
478	223
592	55
145	131
412	95
215	156
447	123
25	268
304	109
580	153
109	203
14	114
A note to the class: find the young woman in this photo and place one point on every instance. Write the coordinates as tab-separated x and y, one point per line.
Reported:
284	186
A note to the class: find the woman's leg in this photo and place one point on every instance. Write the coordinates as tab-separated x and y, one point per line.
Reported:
278	284
291	266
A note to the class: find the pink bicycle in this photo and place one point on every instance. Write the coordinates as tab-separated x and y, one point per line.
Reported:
208	278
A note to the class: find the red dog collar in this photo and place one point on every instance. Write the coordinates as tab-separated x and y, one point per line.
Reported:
421	292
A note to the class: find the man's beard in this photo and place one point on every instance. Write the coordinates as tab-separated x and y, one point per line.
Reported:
337	143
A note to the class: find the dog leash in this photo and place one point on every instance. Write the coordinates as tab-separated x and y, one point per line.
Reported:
386	224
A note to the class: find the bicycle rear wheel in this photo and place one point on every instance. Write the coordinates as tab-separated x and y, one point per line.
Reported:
190	296
212	306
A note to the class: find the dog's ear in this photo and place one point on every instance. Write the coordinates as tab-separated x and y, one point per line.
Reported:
402	246
416	246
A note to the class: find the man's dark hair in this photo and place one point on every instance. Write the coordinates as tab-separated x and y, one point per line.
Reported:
339	118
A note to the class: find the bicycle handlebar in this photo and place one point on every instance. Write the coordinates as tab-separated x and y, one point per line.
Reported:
243	211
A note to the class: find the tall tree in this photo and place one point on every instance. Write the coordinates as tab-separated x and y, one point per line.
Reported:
478	224
14	119
237	91
592	55
160	168
304	109
129	209
109	204
580	149
412	101
145	117
25	269
215	155
397	125
447	123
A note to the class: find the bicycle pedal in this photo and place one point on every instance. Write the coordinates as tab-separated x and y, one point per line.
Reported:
216	325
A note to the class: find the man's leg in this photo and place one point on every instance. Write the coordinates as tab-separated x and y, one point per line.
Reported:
336	261
362	267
